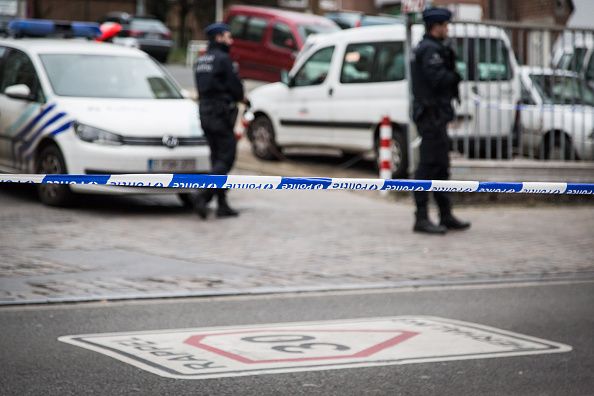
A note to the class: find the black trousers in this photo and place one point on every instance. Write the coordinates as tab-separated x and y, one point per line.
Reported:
434	164
218	121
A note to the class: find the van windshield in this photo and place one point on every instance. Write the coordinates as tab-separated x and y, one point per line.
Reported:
107	76
307	30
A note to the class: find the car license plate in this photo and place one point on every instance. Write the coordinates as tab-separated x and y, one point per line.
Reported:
153	36
172	165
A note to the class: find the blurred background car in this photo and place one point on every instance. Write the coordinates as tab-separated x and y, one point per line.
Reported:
150	34
556	115
267	40
4	20
83	107
353	19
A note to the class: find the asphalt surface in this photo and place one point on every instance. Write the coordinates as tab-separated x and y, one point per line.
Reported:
35	363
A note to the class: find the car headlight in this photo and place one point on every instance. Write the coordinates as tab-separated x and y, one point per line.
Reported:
95	135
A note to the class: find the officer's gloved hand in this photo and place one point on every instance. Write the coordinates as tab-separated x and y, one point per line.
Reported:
456	88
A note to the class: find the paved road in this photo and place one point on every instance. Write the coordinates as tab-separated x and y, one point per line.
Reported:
144	246
35	363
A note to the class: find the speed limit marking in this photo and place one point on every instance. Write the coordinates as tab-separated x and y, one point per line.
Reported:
309	346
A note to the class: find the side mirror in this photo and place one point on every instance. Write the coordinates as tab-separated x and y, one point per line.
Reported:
286	79
185	93
19	91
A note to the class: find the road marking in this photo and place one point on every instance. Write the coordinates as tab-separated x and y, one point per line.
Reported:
234	351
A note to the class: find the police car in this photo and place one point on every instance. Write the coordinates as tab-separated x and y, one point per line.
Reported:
82	107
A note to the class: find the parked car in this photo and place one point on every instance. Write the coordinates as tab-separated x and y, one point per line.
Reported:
83	107
268	39
344	83
556	115
353	19
150	34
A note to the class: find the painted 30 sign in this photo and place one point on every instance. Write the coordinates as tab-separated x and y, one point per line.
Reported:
308	346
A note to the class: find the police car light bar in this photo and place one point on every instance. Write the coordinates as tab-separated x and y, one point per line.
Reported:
48	28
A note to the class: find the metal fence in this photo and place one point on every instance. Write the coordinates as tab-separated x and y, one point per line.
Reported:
528	91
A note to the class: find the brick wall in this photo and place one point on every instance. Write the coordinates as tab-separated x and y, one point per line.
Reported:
366	6
82	10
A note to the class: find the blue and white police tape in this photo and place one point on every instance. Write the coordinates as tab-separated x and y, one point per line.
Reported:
241	182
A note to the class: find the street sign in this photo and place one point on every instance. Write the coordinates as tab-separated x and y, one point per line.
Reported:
309	346
412	6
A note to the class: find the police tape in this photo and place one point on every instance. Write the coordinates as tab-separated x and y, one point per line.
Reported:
243	182
543	107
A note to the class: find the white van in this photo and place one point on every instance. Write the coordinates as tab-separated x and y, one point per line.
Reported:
343	83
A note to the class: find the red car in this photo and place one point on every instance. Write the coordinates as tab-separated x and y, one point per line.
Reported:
268	39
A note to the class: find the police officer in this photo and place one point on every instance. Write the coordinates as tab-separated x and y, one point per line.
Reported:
434	84
219	90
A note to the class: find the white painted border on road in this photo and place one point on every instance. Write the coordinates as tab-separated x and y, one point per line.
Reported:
233	351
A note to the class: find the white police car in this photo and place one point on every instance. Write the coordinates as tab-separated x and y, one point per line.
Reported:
81	107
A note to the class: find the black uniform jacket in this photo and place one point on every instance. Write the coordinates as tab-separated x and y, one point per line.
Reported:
216	78
434	80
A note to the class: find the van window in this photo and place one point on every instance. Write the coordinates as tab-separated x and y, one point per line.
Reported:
18	69
237	24
491	63
283	37
564	61
315	70
3	50
373	62
256	27
590	70
576	60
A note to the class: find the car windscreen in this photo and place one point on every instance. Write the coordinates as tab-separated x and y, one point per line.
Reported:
107	76
563	90
307	30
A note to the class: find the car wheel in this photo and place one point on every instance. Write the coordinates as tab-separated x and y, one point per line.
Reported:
261	135
556	150
399	156
51	161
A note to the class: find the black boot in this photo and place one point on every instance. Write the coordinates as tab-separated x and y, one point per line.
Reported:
424	225
452	223
201	200
224	210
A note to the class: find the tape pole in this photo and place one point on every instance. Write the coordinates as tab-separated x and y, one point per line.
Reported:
245	182
384	150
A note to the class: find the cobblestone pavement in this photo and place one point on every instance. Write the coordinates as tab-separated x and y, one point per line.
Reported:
108	247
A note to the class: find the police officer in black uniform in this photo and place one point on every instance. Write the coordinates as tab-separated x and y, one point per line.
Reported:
219	90
434	85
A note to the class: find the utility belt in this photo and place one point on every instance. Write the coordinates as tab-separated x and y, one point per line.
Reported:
227	103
